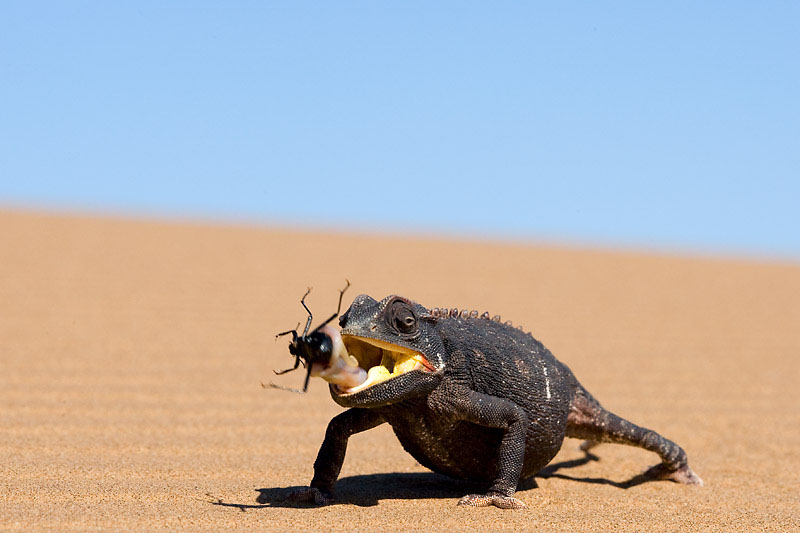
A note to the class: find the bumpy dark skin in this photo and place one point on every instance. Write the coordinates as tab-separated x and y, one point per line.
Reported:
495	407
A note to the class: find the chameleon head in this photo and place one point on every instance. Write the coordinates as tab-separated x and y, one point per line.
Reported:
394	341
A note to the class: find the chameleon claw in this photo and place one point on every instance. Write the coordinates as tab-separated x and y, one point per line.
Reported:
309	495
498	500
683	475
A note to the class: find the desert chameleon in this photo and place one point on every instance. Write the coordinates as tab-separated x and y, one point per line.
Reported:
470	397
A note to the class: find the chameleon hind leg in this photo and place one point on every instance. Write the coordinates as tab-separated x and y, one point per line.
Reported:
589	420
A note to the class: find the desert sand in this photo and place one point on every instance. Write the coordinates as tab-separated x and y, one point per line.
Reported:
132	354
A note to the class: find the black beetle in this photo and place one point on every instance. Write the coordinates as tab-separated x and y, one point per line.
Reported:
309	348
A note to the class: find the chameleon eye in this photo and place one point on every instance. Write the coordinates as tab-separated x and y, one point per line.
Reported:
402	317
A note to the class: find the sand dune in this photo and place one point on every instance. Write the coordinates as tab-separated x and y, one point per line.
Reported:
132	354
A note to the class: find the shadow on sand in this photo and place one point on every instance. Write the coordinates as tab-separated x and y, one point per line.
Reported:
368	490
552	471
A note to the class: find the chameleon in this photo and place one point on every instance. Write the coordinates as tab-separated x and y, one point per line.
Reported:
468	396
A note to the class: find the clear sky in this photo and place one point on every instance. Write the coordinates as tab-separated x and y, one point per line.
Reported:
670	125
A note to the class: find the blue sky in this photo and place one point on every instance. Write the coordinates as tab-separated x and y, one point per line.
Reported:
670	126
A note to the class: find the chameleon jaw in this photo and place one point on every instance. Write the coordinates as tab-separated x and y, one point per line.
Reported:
382	361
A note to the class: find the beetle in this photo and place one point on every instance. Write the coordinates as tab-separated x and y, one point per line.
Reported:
310	348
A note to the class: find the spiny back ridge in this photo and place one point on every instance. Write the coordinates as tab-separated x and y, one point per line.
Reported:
444	312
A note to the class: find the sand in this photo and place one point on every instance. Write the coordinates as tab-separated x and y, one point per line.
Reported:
132	354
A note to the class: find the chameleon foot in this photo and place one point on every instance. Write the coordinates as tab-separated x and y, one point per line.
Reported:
309	495
498	500
683	474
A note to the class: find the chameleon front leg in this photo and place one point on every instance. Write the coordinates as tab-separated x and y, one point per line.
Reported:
462	403
331	454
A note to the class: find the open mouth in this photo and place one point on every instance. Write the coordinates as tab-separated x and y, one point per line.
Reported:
382	361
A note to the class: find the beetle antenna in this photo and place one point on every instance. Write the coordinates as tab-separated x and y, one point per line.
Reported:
310	316
338	308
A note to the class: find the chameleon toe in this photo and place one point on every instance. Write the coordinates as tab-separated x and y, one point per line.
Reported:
684	474
309	495
485	500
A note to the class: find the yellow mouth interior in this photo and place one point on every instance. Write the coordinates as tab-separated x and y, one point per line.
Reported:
381	360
